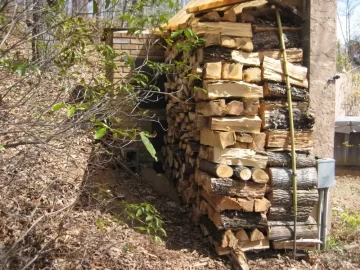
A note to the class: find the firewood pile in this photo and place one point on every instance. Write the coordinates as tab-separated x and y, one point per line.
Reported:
228	140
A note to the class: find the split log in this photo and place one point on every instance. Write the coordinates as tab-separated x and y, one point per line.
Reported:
256	235
304	230
285	197
280	140
239	145
232	219
287	213
212	16
251	106
238	258
259	176
232	71
276	116
229	89
258	143
301	244
272	70
283	159
262	28
212	40
242	236
252	75
229	187
294	55
270	40
225	28
229	16
220	108
243	44
261	205
237	124
281	178
244	138
216	54
219	170
254	245
222	203
212	108
217	138
212	71
241	172
234	156
279	90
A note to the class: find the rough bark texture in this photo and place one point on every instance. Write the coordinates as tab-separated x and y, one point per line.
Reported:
230	187
269	40
276	116
279	90
241	172
236	220
285	197
304	230
283	159
281	178
219	170
287	214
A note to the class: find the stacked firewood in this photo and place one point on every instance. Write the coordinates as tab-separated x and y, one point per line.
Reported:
225	129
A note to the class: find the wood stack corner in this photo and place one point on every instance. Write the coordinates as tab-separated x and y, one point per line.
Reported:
228	133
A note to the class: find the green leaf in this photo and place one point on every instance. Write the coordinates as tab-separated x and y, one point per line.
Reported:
157	239
138	213
70	112
149	218
2	148
162	231
58	106
148	145
100	133
21	70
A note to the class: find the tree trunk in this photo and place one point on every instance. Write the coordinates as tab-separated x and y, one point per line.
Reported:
269	40
239	220
219	170
229	187
287	213
283	159
281	178
241	172
285	197
305	230
272	89
276	116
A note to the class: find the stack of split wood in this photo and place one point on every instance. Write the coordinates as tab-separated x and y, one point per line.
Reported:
225	130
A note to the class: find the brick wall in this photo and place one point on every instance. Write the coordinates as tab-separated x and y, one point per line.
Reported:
139	48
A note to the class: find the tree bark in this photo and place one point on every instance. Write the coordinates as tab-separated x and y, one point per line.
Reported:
287	214
305	230
242	172
285	197
229	187
283	159
276	116
269	40
239	220
219	170
272	89
281	178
